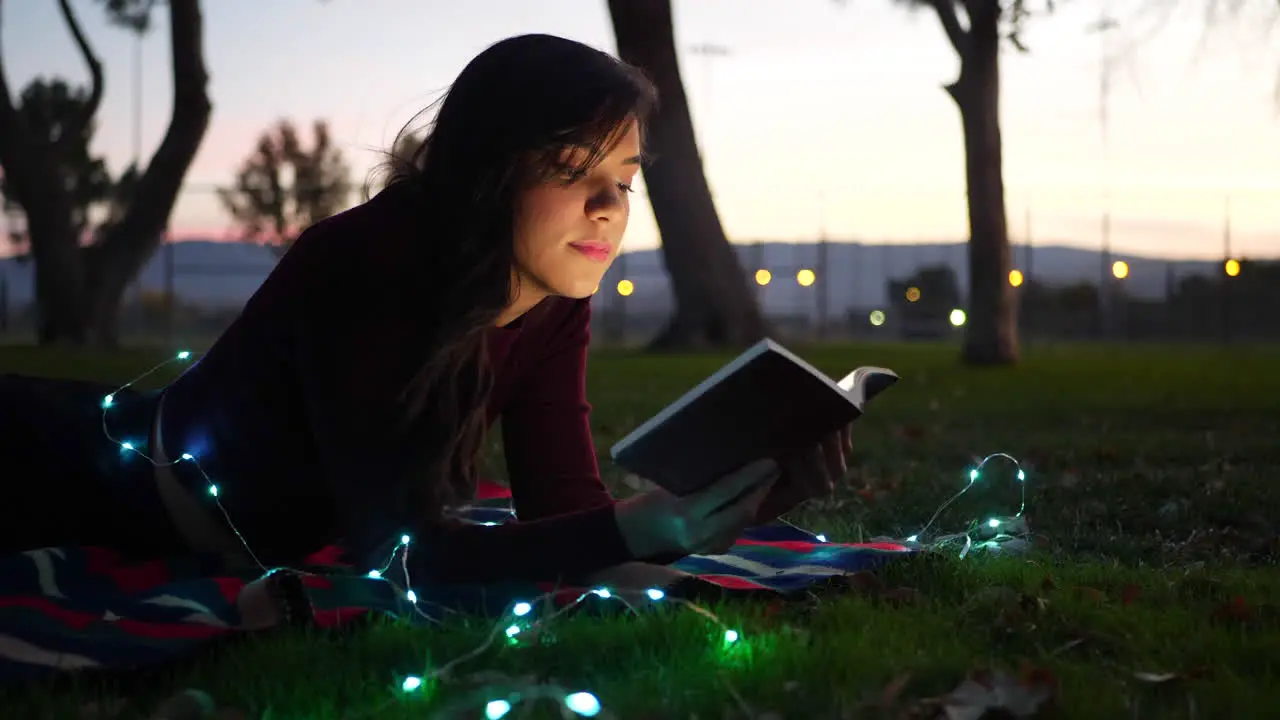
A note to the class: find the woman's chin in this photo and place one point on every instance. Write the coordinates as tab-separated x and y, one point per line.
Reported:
579	290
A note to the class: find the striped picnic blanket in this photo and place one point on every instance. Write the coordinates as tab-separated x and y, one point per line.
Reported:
84	608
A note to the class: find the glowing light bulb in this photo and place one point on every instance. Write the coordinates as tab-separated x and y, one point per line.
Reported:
731	636
375	574
188	457
411	683
521	609
822	538
213	490
106	401
973	475
602	592
993	523
126	446
583	703
913	538
412	597
1021	475
655	594
184	355
513	630
404	539
496	709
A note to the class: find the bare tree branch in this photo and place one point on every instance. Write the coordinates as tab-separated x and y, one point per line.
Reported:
14	134
946	11
95	76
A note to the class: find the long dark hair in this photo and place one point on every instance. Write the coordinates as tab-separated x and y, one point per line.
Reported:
503	124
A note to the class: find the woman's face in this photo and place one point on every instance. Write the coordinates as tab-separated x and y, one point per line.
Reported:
568	229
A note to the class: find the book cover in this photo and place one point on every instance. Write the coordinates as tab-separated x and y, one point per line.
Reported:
765	403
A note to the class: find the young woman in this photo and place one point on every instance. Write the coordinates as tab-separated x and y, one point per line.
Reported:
349	401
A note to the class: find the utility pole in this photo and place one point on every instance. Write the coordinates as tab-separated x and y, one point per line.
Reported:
1104	26
1227	280
708	52
823	270
137	101
1030	247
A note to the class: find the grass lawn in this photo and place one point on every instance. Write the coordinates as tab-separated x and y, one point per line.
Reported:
1152	489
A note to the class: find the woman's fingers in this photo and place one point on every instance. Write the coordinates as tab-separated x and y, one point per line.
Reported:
833	453
809	471
732	488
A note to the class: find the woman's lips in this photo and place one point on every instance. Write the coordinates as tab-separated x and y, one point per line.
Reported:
593	250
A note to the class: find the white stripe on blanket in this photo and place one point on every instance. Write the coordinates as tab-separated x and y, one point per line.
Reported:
753	568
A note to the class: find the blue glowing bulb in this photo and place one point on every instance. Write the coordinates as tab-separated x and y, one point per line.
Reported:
513	630
521	609
602	592
1021	476
913	538
184	355
993	523
655	594
731	636
213	490
822	538
411	683
188	457
973	475
404	539
375	574
412	597
126	446
106	401
496	709
583	703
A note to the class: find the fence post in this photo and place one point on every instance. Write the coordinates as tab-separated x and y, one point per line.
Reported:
169	304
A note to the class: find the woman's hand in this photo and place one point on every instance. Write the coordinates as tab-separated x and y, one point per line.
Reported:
809	474
659	523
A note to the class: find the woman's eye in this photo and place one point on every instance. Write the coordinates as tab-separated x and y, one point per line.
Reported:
624	187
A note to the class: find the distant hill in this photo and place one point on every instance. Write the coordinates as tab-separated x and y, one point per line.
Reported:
223	275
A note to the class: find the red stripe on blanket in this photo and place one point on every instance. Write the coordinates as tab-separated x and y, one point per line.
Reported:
733	582
490	490
339	616
128	578
75	620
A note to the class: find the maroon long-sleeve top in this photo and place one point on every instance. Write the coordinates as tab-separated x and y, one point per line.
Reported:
292	412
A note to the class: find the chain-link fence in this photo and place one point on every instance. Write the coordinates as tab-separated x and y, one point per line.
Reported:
833	289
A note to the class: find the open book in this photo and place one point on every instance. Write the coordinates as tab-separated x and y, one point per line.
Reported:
766	403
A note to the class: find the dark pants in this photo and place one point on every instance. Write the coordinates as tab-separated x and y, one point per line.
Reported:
63	482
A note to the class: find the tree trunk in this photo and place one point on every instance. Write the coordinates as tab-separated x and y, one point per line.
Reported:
991	328
79	289
714	305
123	248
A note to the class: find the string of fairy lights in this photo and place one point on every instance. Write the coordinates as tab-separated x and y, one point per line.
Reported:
521	620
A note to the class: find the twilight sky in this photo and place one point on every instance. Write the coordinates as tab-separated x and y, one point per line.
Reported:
825	115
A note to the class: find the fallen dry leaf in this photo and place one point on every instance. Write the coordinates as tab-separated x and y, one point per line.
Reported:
889	695
1089	593
1236	609
1019	696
